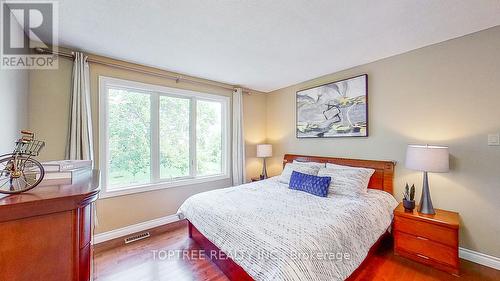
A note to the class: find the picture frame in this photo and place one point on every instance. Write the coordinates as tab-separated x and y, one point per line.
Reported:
333	110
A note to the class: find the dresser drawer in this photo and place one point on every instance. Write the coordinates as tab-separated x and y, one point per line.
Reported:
430	231
426	249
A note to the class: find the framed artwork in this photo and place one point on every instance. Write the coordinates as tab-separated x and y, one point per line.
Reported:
337	109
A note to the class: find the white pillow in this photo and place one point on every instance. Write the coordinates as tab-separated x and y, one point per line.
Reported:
336	166
290	167
315	164
350	182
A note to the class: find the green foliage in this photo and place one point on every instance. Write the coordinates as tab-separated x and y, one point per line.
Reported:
130	137
174	137
209	138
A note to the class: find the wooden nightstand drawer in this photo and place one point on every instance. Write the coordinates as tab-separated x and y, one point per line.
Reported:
430	231
429	239
425	248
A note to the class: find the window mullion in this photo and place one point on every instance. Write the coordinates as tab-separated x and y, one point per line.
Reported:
155	137
192	138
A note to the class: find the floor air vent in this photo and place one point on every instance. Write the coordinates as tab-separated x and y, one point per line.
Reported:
137	237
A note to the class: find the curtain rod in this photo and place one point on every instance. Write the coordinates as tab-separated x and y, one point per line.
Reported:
177	79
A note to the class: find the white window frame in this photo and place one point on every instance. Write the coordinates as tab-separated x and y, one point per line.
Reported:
155	91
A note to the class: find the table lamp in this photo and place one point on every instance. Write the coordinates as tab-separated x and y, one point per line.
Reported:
264	151
427	158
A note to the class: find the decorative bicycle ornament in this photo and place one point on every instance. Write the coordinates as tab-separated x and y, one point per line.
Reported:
19	172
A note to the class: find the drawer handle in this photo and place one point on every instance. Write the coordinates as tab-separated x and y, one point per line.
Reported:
422	238
422	256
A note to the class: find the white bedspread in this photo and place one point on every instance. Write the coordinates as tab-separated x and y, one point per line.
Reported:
275	233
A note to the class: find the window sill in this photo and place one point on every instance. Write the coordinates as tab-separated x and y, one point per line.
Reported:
158	185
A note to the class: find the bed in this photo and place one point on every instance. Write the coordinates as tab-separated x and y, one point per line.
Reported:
265	231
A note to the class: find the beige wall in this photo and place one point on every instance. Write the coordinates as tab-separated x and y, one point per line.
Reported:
14	86
254	124
447	94
49	108
13	106
49	111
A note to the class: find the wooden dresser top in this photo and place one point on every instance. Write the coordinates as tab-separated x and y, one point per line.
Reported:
442	217
49	199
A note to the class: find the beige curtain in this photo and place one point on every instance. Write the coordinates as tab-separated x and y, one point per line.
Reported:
238	141
79	146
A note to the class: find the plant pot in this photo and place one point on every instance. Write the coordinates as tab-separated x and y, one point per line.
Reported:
409	205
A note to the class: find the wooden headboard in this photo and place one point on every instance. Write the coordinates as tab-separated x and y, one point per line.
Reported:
382	179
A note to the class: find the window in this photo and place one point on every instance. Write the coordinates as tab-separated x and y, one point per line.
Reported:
208	141
154	137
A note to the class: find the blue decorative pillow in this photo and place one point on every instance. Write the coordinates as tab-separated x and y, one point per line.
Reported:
311	184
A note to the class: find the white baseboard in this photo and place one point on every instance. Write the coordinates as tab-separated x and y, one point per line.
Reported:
466	254
124	231
480	258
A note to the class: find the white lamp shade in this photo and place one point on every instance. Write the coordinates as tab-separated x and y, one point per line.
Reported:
428	158
264	150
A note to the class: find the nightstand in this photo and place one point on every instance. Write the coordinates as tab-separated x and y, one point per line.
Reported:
429	239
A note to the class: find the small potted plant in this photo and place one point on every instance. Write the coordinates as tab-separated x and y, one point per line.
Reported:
409	197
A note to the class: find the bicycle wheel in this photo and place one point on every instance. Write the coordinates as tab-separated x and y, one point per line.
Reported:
28	175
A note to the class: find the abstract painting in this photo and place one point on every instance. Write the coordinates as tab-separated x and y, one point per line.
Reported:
337	109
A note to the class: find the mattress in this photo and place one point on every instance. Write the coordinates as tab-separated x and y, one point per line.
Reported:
275	233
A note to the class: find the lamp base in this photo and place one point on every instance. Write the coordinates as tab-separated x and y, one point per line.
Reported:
425	201
263	175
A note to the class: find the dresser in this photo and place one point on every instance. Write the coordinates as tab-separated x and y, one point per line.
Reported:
45	233
429	239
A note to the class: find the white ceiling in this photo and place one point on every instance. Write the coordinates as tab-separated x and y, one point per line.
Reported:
265	45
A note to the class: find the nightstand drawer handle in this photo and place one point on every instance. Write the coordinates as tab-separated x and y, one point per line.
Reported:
422	238
422	256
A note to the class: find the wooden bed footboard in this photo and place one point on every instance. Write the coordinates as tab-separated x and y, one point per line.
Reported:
234	272
231	269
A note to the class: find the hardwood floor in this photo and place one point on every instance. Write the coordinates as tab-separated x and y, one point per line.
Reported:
147	260
137	262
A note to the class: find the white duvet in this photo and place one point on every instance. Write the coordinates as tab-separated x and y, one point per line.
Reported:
275	233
